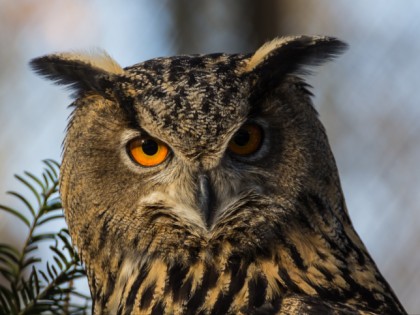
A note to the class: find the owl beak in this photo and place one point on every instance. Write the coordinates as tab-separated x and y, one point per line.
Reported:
205	197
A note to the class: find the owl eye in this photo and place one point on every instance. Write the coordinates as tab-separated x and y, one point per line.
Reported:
247	140
147	151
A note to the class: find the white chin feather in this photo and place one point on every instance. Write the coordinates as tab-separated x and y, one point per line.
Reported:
177	206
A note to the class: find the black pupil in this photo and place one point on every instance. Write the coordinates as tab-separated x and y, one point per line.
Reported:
242	137
149	146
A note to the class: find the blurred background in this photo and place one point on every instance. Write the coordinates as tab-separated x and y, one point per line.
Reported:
367	98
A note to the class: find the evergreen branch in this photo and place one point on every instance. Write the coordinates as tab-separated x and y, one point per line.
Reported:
48	291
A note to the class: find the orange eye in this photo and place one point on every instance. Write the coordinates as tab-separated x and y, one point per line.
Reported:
247	140
147	151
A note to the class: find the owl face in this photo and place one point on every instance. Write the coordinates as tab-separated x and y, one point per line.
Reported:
193	167
188	137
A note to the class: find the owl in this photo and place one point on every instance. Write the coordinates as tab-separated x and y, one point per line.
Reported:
205	184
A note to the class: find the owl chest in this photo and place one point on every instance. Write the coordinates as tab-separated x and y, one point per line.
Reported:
234	288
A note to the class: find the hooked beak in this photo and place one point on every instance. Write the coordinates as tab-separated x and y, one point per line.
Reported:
205	197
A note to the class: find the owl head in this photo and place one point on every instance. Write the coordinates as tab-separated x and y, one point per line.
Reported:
191	133
204	159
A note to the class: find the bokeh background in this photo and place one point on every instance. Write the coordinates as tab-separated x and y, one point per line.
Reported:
368	99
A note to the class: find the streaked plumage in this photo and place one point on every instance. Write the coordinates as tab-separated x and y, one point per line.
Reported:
208	230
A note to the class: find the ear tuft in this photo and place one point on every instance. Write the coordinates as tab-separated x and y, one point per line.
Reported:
290	55
80	71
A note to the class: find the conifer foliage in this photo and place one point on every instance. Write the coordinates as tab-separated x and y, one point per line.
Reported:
32	284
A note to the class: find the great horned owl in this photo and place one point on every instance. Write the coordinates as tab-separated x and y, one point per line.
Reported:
205	184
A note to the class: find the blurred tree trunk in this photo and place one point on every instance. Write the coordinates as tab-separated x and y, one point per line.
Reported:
223	26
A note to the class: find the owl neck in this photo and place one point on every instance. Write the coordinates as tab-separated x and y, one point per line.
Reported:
254	264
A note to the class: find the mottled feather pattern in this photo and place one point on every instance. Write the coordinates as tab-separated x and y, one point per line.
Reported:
208	231
207	272
81	71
